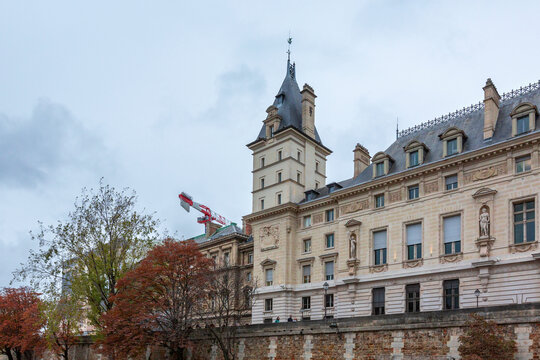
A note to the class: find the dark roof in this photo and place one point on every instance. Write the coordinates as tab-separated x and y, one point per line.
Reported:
471	122
289	103
221	232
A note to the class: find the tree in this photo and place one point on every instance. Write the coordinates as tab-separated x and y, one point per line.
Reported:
485	340
154	304
20	323
102	239
226	306
62	318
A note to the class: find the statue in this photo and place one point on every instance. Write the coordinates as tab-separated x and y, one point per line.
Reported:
352	246
484	222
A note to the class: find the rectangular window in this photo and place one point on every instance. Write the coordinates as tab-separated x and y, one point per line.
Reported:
451	147
330	215
316	166
262	162
248	276
413	158
316	185
451	182
522	124
279	155
329	270
451	294
268	305
524	222
262	183
306	274
298	155
250	258
379	200
379	247
414	241
262	204
523	164
279	199
378	301
306	302
307	221
452	234
412	293
298	177
414	192
279	177
307	245
226	259
379	169
329	301
272	131
329	241
269	277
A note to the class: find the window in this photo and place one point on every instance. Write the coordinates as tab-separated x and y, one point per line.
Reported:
248	276
378	301
523	164
330	215
226	259
306	274
250	258
268	305
306	302
329	301
522	124
414	241
412	292
451	294
279	177
307	245
316	185
272	131
452	234
329	241
279	199
307	221
298	177
379	200
262	162
279	155
316	166
524	222
262	204
413	192
451	147
298	155
329	270
379	247
269	277
413	158
451	182
379	169
262	183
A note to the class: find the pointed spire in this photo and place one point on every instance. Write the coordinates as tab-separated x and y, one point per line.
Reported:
397	127
290	68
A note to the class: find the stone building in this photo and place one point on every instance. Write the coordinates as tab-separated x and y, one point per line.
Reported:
444	218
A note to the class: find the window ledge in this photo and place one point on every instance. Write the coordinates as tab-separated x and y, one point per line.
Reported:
523	247
268	312
378	268
451	258
451	190
412	200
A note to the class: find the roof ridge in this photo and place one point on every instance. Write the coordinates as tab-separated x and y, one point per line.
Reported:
523	90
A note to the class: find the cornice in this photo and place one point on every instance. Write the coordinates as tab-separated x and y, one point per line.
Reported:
283	208
212	243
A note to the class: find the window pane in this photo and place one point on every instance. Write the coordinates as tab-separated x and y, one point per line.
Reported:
413	158
451	146
330	240
518	233
457	246
523	124
530	231
329	269
377	257
448	248
379	169
518	207
451	180
410	250
419	251
529	205
518	217
530	215
452	228
384	256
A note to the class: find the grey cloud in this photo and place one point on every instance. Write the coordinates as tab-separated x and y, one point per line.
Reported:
33	148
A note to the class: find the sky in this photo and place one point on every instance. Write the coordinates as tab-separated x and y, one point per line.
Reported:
163	96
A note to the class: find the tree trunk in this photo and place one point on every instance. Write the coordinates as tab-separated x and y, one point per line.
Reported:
18	354
66	353
9	354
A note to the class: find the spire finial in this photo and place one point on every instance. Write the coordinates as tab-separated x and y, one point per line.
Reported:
289	41
397	127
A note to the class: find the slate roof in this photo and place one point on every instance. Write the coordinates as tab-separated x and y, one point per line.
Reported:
471	123
289	103
221	232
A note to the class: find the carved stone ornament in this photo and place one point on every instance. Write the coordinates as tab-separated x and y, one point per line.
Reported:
352	245
269	236
451	258
431	187
486	173
378	268
352	265
484	221
523	247
484	244
413	263
355	206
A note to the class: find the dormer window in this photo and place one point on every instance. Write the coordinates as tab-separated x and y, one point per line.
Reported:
381	164
523	118
271	130
453	139
311	194
415	153
333	187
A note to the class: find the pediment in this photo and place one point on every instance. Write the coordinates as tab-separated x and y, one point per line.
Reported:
353	222
268	262
414	144
484	192
452	131
524	108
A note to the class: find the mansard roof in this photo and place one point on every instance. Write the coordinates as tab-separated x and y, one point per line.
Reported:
289	104
231	229
469	120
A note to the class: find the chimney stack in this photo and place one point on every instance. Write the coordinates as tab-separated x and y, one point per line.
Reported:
211	228
491	108
308	110
361	159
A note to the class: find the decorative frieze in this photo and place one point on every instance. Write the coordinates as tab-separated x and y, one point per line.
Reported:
523	247
485	173
395	196
431	187
355	206
413	263
450	258
378	268
318	218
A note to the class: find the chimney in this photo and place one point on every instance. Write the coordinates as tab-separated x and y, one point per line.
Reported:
247	228
491	108
361	159
308	110
210	228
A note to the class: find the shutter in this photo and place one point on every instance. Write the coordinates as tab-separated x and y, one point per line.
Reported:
329	268
269	275
379	240
414	234
306	270
378	295
452	228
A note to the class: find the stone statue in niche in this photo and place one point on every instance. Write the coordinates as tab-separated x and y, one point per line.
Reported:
484	222
352	246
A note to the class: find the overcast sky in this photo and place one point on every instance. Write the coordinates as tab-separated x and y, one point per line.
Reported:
162	96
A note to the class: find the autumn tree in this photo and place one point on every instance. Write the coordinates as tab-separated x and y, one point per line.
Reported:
485	340
20	323
154	304
101	239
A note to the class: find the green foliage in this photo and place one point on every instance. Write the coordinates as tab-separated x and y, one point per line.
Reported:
485	340
86	255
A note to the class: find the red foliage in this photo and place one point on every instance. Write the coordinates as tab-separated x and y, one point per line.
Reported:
20	322
155	301
485	340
